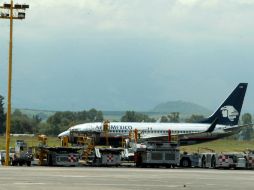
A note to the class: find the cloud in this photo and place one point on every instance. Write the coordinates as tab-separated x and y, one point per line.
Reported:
156	48
179	20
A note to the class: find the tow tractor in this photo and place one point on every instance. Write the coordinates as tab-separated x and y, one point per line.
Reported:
22	154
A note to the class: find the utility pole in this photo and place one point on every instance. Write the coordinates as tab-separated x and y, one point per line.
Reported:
11	11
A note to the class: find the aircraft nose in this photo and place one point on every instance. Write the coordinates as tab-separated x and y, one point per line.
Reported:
64	134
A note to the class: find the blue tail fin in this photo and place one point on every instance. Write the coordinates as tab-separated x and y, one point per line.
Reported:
229	111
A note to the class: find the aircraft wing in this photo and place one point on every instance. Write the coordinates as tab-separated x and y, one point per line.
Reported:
165	137
152	136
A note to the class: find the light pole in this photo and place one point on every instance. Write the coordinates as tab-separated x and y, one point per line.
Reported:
11	11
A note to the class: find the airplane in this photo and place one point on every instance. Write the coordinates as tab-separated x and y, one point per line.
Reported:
222	123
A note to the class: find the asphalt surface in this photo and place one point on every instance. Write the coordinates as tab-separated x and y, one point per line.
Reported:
59	178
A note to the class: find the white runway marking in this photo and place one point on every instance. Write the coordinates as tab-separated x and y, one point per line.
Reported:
131	185
28	183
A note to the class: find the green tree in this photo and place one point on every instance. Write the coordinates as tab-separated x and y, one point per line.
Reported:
21	123
246	118
2	115
47	129
164	119
44	128
61	121
91	114
194	118
37	118
247	132
131	116
82	116
174	117
17	113
99	116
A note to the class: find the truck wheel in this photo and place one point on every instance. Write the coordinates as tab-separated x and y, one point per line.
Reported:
13	163
185	163
144	165
28	163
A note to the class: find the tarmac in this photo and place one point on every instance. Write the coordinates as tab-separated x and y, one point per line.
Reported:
77	178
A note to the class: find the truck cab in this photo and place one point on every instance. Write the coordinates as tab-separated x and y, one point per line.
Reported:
22	154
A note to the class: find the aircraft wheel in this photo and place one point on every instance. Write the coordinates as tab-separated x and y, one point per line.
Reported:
28	163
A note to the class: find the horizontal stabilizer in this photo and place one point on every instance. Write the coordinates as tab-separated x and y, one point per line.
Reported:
212	127
238	128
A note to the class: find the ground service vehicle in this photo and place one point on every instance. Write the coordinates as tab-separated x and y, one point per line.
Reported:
231	160
155	153
3	154
215	160
208	160
190	160
22	155
107	157
128	154
249	156
58	156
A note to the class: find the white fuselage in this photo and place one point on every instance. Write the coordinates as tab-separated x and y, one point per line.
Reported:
145	129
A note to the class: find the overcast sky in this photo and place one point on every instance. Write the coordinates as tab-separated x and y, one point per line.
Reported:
119	54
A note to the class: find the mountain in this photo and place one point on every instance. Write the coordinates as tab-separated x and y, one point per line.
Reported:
181	107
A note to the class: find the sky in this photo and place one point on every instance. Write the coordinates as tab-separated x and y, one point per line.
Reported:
129	55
